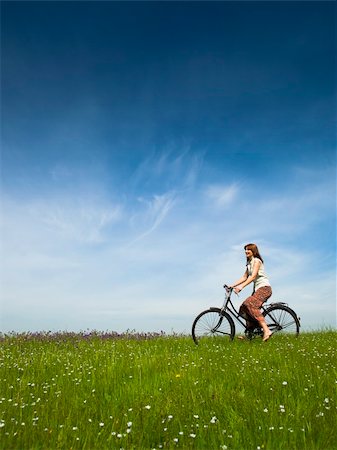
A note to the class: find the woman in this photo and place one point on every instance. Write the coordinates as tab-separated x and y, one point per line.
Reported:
250	308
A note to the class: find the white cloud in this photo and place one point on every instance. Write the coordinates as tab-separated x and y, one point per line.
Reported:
71	257
84	223
169	170
70	217
222	195
156	209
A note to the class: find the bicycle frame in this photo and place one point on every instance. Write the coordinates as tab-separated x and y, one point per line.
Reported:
229	307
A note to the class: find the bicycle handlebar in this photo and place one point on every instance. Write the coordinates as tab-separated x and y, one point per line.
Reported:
228	289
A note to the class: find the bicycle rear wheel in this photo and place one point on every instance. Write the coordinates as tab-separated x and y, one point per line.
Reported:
213	323
282	319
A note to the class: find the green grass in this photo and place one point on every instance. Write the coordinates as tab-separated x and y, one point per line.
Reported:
67	392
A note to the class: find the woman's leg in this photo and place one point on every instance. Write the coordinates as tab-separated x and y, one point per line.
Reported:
266	332
251	309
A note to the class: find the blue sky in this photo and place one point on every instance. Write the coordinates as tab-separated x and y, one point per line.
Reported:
144	143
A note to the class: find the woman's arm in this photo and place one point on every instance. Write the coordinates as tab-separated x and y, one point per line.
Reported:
241	280
250	278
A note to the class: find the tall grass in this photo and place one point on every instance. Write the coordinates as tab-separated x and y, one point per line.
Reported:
76	392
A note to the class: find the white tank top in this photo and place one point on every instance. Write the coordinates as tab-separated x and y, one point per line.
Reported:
261	279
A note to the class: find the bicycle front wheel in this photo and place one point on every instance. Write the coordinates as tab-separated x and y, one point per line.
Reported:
282	319
213	323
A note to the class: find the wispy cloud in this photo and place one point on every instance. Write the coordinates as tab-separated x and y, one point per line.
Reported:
156	209
56	220
80	222
171	251
222	195
169	169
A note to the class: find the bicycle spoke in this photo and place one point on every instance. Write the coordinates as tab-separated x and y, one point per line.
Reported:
223	333
282	319
212	323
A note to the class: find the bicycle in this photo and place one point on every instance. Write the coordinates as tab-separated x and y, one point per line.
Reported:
214	321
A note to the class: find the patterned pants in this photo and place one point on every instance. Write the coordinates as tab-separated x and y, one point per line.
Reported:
250	308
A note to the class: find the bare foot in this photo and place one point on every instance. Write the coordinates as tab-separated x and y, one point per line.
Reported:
242	338
266	336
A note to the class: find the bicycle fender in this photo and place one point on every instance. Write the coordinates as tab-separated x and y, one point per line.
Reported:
214	308
276	304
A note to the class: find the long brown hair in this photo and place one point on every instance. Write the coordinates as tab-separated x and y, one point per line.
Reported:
254	249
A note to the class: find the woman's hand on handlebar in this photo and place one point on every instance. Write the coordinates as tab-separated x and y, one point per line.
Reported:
237	289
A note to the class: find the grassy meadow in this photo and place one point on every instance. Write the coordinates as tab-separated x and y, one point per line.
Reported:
100	391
